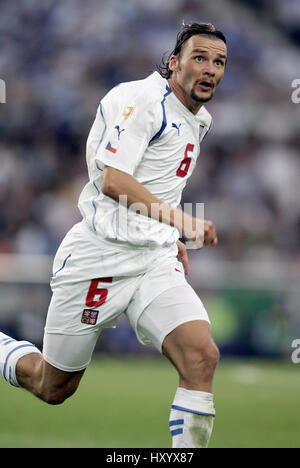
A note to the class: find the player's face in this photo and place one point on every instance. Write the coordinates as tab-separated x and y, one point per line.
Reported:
199	68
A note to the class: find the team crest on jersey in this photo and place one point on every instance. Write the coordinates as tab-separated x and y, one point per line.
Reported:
89	316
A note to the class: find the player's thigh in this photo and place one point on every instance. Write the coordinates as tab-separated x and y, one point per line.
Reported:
168	312
68	353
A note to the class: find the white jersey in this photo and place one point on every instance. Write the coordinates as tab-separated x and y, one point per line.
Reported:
141	128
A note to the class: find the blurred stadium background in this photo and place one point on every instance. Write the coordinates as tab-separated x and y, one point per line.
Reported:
58	59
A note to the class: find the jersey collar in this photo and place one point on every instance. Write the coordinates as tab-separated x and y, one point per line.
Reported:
202	115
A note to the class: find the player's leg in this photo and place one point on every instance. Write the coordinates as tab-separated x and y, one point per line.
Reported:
48	383
78	309
178	326
23	365
192	350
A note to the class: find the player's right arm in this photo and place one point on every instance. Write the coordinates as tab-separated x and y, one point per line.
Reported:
125	189
129	127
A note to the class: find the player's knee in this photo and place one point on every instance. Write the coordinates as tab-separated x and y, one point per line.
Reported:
56	398
53	399
202	361
212	356
57	395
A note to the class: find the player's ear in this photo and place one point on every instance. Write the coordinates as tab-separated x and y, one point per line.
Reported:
173	63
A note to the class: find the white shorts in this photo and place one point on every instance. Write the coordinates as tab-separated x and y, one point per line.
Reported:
87	300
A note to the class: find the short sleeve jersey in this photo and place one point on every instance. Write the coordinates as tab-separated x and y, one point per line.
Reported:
143	129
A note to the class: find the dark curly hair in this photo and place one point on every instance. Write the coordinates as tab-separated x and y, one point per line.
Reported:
188	31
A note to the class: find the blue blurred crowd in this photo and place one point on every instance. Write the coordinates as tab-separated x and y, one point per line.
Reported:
58	59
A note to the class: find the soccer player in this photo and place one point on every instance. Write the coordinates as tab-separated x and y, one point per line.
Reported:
125	255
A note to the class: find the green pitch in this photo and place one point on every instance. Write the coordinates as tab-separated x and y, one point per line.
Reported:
125	403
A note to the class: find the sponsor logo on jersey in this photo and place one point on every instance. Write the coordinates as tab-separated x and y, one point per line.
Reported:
128	111
110	148
174	125
89	316
117	127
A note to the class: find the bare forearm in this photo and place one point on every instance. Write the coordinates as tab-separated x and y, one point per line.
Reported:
125	189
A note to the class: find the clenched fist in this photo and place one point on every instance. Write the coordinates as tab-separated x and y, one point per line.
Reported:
200	232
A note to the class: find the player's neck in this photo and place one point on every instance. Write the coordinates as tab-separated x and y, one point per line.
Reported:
190	104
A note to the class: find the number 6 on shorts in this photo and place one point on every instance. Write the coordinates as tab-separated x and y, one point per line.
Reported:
97	296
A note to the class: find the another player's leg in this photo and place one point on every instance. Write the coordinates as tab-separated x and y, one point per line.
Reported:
178	326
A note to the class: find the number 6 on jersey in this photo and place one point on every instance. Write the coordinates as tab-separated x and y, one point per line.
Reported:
186	162
97	296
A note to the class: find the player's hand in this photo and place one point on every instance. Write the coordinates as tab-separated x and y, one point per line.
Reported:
183	256
210	233
199	232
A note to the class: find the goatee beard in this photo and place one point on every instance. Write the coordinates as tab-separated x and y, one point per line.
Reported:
201	100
